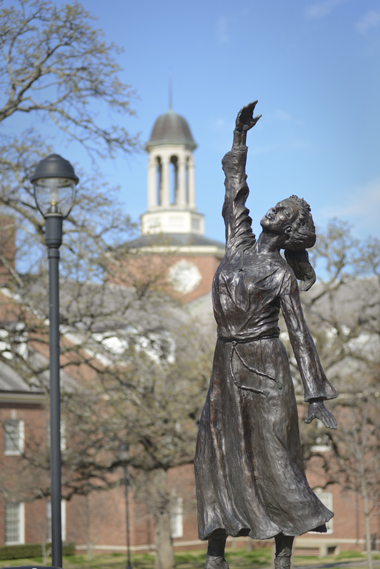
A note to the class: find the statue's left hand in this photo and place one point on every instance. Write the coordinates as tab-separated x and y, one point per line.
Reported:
245	120
317	410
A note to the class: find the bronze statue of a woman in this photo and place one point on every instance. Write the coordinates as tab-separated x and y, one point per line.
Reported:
249	469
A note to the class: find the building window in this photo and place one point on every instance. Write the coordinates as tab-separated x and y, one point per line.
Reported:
154	225
195	224
62	434
322	442
327	500
13	436
176	517
48	521
63	520
176	222
14	524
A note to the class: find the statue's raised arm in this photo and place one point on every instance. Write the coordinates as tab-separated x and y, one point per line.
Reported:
237	221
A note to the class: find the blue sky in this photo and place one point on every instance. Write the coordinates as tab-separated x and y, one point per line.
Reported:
313	66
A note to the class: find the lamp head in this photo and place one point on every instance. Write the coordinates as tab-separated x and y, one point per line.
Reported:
123	452
54	182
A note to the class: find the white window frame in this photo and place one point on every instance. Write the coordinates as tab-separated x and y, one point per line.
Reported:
20	437
327	500
63	520
21	521
176	517
62	434
321	444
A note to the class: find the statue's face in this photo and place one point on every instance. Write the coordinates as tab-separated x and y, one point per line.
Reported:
280	218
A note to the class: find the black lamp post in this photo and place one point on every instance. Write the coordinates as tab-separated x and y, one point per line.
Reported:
124	459
54	182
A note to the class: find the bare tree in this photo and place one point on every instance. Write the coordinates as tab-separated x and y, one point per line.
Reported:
353	461
147	393
56	69
357	457
343	314
56	66
343	308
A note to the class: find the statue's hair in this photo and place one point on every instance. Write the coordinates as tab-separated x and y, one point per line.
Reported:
301	237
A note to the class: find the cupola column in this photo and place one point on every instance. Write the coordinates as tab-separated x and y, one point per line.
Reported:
182	182
165	182
191	182
152	183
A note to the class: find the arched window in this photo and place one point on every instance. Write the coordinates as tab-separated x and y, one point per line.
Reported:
158	181
174	180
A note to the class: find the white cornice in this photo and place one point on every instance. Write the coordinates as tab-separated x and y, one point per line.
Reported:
186	249
27	397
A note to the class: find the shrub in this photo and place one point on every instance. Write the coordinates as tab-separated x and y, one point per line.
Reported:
30	550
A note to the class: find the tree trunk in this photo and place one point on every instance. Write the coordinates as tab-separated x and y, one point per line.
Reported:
163	539
164	544
46	552
367	520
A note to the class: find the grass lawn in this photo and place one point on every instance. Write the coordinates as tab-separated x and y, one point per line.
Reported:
237	558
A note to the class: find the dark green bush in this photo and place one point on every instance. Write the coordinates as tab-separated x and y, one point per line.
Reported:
30	550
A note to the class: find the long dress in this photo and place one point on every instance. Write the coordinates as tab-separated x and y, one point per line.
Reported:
249	470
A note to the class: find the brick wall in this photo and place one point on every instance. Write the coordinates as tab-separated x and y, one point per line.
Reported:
141	268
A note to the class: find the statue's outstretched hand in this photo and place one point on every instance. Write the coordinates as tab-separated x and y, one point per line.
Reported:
245	120
317	410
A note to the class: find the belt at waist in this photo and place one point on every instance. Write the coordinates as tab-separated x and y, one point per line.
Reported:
235	342
246	340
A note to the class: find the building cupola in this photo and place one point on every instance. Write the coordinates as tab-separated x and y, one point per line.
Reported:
171	181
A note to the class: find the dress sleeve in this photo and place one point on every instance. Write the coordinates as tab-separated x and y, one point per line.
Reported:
313	377
237	221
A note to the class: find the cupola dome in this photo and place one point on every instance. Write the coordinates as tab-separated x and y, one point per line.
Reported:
171	128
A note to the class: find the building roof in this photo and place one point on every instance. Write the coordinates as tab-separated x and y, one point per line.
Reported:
119	315
10	380
171	128
14	389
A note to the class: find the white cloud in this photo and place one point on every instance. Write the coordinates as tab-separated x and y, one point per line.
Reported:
283	115
287	117
222	29
321	9
370	19
361	207
219	123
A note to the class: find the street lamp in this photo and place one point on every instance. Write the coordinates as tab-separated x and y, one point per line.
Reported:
54	182
124	459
